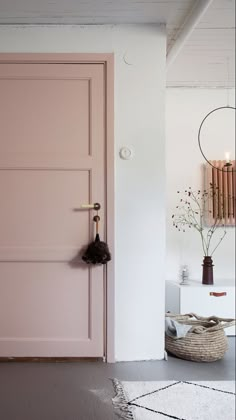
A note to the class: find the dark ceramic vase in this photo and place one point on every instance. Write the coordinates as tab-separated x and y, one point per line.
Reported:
207	271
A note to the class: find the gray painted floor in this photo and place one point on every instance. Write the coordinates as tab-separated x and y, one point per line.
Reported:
83	391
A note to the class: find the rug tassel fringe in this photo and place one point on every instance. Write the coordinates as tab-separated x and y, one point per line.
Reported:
120	401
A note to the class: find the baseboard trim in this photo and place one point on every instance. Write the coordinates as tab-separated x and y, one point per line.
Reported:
50	359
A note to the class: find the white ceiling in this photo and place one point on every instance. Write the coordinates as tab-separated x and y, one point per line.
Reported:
92	11
207	59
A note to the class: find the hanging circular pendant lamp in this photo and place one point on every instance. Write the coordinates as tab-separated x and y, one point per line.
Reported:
228	163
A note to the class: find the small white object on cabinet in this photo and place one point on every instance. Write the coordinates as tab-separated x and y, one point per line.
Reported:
203	300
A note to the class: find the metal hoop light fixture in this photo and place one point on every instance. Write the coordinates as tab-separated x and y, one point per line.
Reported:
228	164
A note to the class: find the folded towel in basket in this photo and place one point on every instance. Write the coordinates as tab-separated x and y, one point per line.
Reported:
176	330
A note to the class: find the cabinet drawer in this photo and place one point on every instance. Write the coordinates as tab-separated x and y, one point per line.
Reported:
209	301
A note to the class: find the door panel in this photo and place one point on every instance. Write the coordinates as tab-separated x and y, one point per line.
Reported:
52	160
52	115
35	204
50	311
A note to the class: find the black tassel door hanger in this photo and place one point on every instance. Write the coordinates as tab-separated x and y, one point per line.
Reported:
98	251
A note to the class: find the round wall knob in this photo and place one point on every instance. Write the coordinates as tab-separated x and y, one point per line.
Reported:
126	153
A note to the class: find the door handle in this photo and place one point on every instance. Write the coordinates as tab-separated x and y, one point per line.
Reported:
95	206
218	294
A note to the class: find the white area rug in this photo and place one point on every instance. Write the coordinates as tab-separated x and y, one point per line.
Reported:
174	400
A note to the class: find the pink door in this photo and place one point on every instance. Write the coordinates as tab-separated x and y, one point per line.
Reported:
52	160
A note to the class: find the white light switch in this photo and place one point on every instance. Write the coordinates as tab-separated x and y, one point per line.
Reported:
126	153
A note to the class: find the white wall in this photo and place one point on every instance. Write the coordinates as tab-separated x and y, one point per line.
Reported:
185	109
140	183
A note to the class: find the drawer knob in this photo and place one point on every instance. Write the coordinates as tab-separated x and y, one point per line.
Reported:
218	294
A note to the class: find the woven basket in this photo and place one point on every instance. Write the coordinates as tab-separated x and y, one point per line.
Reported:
205	341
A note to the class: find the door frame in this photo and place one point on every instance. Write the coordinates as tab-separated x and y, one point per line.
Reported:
108	61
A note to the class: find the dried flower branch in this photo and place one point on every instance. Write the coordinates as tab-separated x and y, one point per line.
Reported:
191	212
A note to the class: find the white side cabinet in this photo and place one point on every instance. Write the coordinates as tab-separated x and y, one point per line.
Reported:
218	299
